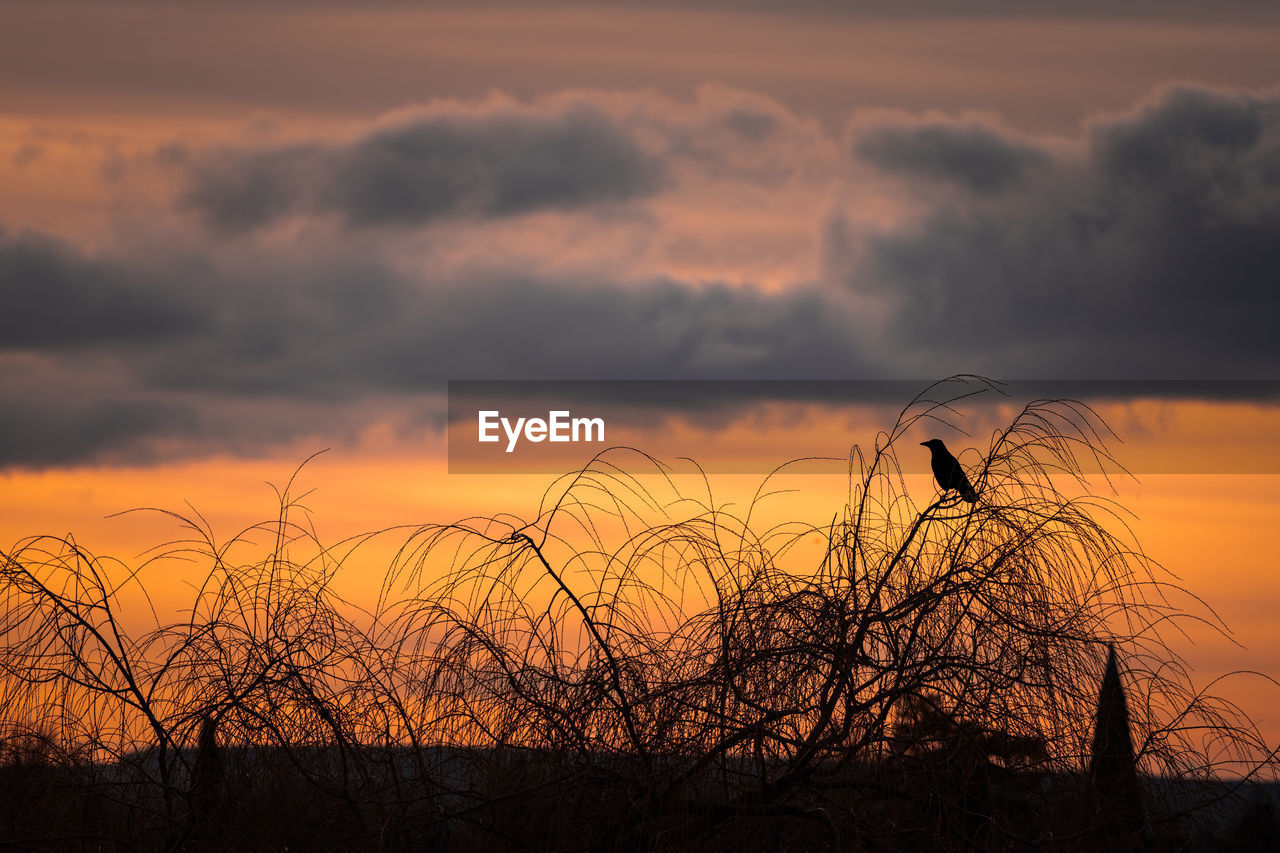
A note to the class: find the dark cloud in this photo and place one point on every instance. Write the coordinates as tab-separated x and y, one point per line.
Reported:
325	346
342	334
238	190
50	431
971	155
1188	138
504	161
55	298
81	408
1149	250
1153	252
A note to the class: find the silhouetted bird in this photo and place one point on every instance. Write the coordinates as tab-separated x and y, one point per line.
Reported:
947	470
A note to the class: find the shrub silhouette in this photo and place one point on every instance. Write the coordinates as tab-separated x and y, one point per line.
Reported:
637	667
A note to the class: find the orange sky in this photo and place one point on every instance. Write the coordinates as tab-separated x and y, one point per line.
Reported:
1211	531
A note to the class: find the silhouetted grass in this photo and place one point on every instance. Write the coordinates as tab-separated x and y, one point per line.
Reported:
634	668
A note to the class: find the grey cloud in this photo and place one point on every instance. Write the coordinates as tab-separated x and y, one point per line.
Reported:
1153	253
236	190
341	334
971	155
502	162
78	409
325	345
49	432
1194	135
1150	250
54	297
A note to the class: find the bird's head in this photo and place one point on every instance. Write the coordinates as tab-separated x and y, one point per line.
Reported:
934	444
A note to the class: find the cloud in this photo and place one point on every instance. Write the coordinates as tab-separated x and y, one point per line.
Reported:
1151	250
445	161
970	155
320	337
1146	249
55	298
81	408
332	343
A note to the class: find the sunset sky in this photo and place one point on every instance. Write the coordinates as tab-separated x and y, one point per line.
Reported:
234	234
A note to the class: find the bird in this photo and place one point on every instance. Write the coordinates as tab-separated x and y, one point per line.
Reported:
947	470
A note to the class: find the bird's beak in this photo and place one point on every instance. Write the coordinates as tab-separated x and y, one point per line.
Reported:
924	444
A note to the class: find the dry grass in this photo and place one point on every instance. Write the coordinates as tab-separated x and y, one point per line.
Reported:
632	669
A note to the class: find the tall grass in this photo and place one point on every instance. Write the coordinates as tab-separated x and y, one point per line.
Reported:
632	668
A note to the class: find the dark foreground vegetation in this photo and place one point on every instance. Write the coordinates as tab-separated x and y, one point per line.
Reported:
639	669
